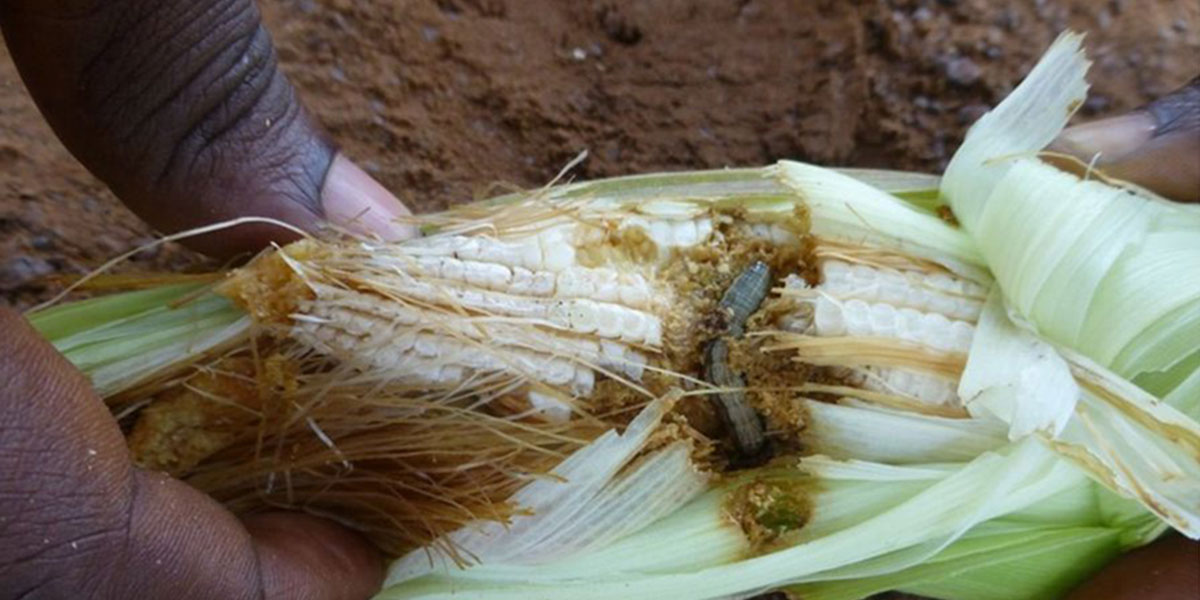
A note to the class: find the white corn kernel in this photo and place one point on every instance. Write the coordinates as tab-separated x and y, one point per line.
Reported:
672	233
603	284
550	408
576	314
546	250
936	311
574	283
532	283
926	388
422	358
398	327
634	290
861	319
556	252
940	293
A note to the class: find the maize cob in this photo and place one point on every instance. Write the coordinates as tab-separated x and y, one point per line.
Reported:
579	306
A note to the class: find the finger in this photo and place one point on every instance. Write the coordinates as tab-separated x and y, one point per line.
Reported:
1166	569
179	106
305	557
185	546
77	520
354	200
64	478
1157	146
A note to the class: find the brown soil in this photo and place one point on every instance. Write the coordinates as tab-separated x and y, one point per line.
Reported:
441	99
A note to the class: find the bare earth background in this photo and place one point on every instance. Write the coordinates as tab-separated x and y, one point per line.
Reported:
442	99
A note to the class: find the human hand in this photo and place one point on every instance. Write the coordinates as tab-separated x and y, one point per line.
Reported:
78	520
179	107
1157	146
1168	569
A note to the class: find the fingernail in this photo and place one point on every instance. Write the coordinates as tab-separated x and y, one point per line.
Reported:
1112	139
354	200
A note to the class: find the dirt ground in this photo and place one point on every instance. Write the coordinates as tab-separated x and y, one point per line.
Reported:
442	99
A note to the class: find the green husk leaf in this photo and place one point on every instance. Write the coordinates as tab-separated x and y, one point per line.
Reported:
584	504
123	340
1186	395
895	437
845	209
1015	376
918	189
67	319
1135	444
1024	123
1038	563
868	519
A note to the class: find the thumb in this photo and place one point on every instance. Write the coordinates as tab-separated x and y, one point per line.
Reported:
183	545
180	107
1156	146
77	520
1167	569
305	557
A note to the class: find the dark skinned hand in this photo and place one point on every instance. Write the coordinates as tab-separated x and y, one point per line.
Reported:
179	107
1157	146
77	520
